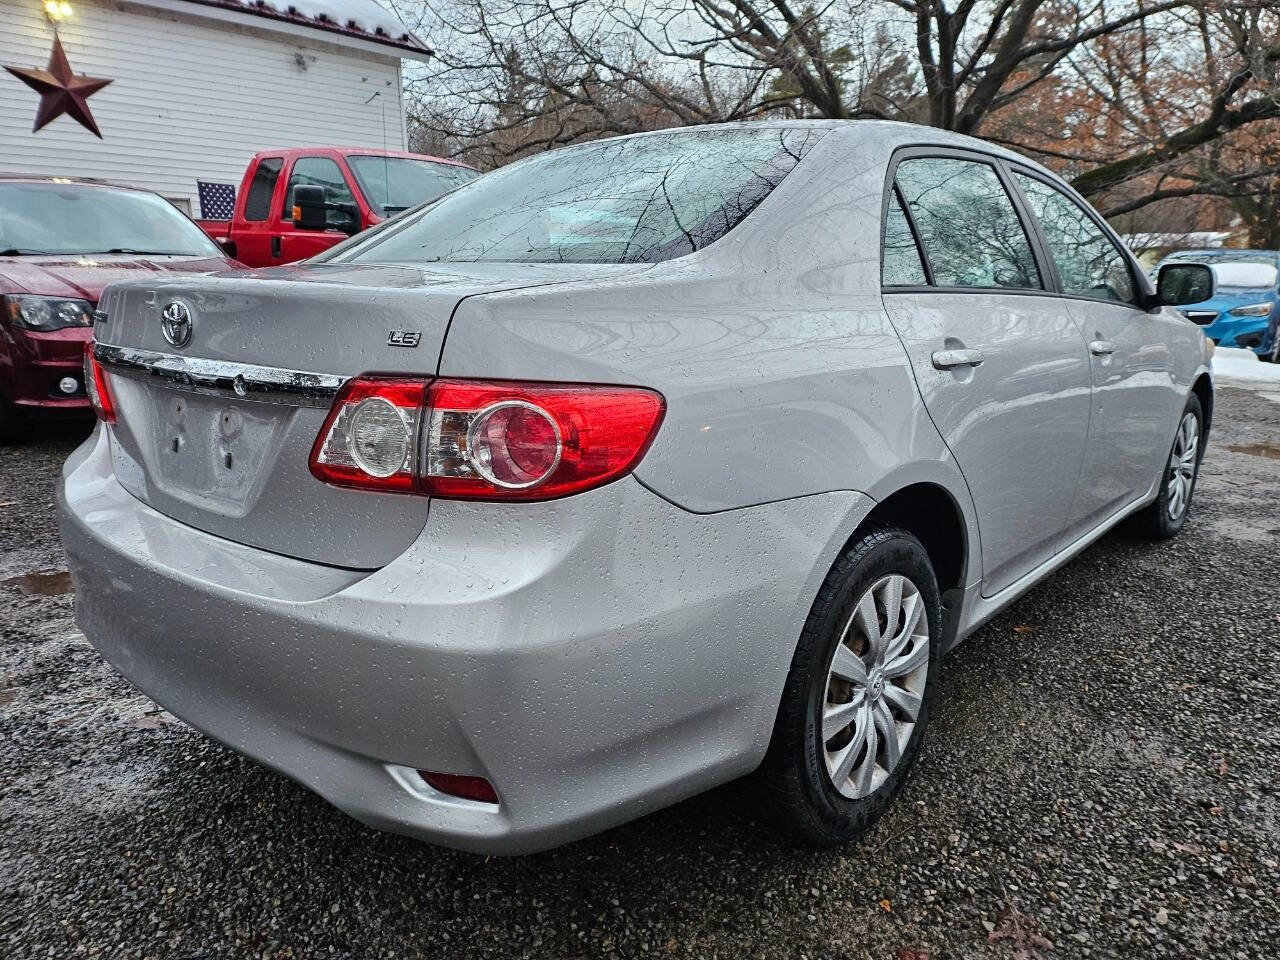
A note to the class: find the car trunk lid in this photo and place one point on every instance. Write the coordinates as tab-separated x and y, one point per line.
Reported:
215	423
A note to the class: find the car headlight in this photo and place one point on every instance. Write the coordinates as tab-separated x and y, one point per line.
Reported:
47	313
1251	310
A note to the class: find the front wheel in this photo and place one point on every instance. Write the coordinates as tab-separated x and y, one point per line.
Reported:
858	697
1167	514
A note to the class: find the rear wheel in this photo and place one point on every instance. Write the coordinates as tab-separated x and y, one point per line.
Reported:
859	693
1167	514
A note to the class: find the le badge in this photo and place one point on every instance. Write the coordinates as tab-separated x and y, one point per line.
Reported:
403	338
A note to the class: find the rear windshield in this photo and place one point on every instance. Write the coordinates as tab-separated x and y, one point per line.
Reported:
393	184
1244	273
1239	268
76	219
641	199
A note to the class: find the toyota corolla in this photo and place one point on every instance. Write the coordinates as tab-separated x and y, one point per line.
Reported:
626	470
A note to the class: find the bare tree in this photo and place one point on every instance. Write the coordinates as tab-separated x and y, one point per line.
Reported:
1136	99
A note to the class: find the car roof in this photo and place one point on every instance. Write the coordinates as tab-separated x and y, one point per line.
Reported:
68	181
1224	253
357	152
892	133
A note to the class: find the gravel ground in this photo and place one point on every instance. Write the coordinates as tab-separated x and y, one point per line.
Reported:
1101	780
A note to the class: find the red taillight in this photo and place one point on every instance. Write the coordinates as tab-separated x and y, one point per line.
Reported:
482	440
95	384
530	441
456	785
370	438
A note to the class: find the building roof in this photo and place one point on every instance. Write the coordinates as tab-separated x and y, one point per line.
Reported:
365	19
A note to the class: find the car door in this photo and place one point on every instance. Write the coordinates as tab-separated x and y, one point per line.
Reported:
253	229
1002	368
1135	397
322	171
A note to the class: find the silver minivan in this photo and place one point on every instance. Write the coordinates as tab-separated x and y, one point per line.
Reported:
625	470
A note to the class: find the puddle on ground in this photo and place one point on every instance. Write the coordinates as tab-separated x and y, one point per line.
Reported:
47	584
1269	450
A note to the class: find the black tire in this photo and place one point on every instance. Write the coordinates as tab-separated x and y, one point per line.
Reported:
10	424
801	794
1156	521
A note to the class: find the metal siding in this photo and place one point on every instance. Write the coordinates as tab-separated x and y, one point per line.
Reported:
191	98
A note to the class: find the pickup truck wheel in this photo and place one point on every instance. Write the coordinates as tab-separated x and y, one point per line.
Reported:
858	697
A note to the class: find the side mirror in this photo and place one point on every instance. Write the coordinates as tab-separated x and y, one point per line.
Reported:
310	212
1178	284
352	225
228	246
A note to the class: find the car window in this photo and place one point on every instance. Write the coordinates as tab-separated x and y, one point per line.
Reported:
633	200
393	184
968	225
901	266
322	172
257	205
1089	263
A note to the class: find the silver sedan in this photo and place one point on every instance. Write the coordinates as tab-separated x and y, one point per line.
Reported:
626	470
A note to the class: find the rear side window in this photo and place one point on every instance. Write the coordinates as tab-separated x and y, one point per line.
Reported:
1088	261
901	266
257	205
968	225
323	172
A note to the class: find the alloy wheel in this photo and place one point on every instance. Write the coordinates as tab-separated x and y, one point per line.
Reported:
875	686
1182	465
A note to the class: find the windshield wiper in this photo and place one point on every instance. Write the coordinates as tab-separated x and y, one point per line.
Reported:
23	252
145	253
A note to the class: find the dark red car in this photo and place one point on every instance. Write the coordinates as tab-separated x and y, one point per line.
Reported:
61	242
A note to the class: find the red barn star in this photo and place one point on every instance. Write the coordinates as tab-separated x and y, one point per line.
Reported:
61	91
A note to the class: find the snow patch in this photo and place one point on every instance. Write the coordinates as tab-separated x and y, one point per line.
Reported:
363	18
1234	364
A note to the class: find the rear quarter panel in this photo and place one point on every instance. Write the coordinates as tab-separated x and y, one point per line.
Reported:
782	375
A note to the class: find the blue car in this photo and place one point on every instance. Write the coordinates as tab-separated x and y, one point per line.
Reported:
1243	310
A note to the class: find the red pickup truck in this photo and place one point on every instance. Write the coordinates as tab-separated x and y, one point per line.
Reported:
360	187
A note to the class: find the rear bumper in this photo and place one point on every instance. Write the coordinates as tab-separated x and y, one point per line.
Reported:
595	658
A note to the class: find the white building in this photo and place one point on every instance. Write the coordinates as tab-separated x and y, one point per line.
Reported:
199	86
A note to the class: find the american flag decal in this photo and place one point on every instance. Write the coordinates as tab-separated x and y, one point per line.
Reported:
217	200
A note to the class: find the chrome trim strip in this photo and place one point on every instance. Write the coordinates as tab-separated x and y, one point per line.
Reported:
221	377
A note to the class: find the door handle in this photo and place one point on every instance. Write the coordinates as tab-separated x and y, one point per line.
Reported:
1101	348
275	246
945	359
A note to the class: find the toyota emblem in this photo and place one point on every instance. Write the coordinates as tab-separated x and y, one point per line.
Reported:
175	321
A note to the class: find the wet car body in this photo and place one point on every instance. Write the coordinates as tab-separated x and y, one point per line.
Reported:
502	672
42	370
